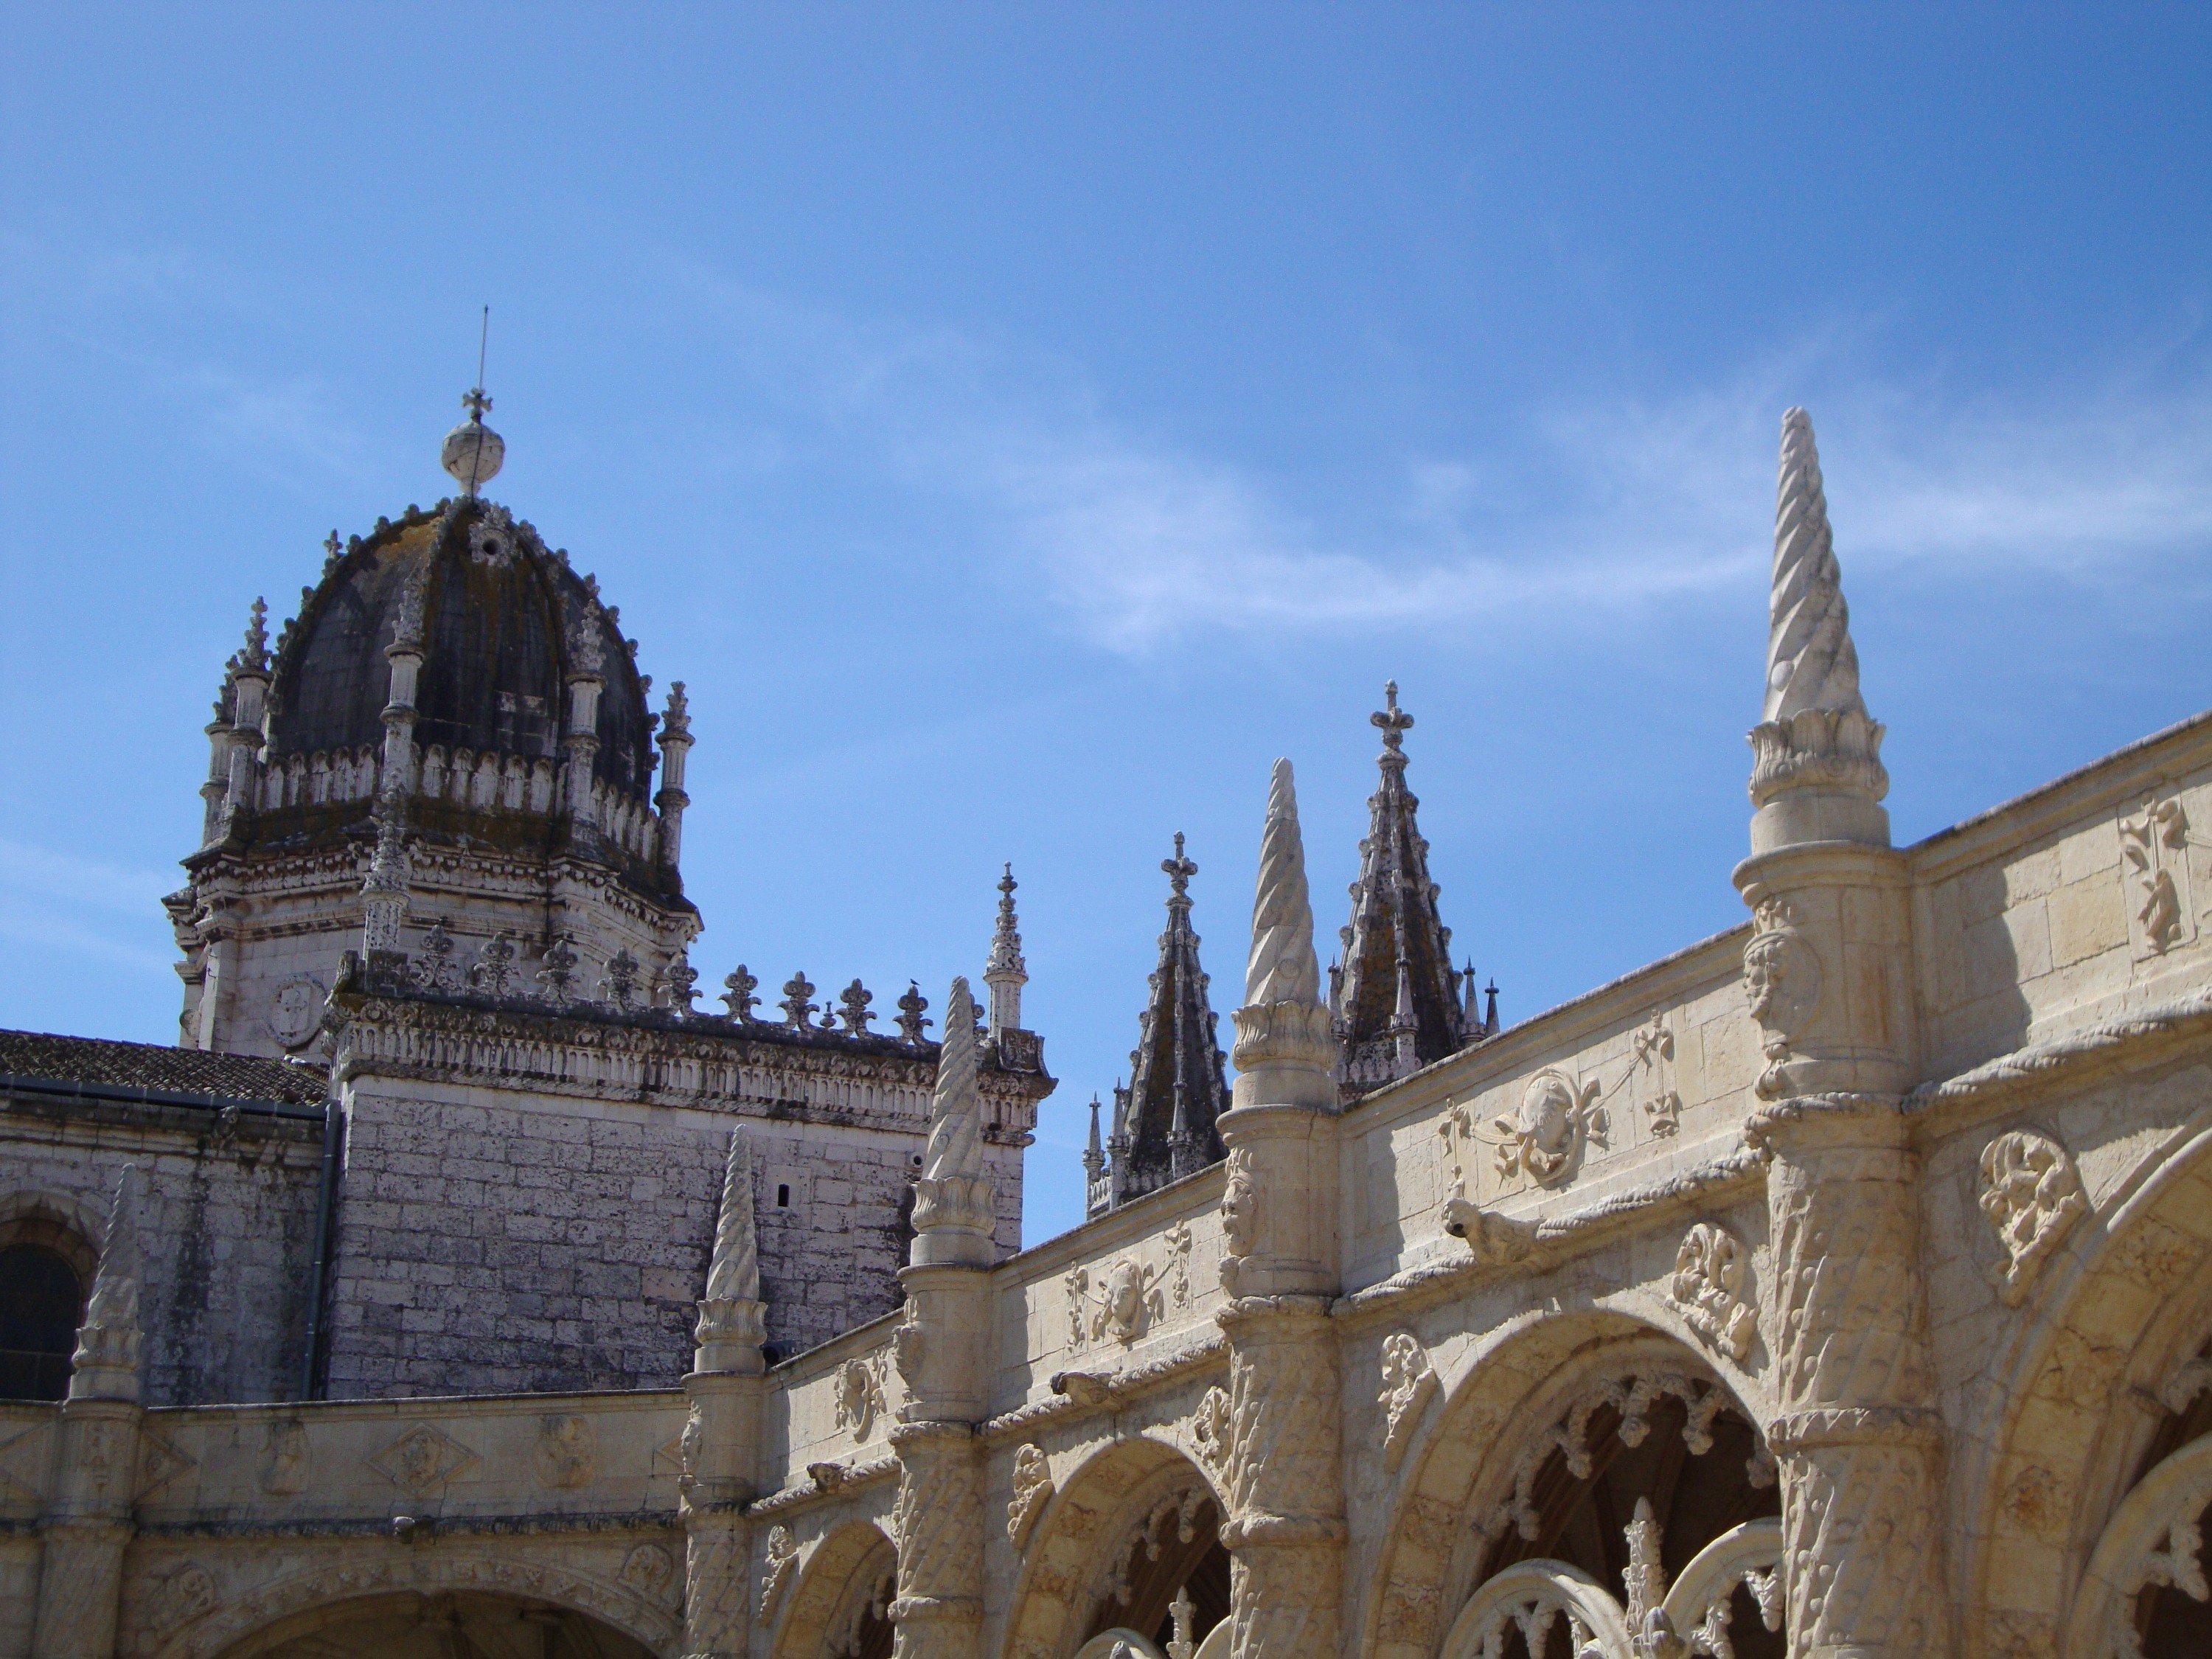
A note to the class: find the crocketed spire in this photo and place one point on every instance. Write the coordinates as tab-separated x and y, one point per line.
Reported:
1007	972
1816	770
1163	1120
1395	998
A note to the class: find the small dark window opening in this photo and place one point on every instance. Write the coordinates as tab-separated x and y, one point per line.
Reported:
41	1299
782	1196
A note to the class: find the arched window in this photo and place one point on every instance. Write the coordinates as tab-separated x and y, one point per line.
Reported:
41	1300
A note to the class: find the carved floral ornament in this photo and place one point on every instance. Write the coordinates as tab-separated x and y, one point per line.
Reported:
1149	1535
1211	1428
1707	1288
2031	1195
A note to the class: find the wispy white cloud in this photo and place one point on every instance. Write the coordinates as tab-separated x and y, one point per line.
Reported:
59	902
1602	505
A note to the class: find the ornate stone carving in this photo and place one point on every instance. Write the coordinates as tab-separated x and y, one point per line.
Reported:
858	1396
159	1462
1544	1138
1497	1240
286	1456
1409	1382
937	1522
1240	1219
1781	988
185	1594
422	1460
1707	1289
2032	1196
1033	1490
1631	1397
1131	1303
1534	1599
295	1014
1654	1047
566	1451
647	1570
2154	841
782	1568
1181	1506
1177	1240
1210	1429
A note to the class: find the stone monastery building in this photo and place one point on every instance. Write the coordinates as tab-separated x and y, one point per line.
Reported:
458	1288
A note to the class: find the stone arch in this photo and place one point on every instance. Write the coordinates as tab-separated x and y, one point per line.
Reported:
1096	1507
834	1582
191	1613
2125	1302
1503	1392
70	1227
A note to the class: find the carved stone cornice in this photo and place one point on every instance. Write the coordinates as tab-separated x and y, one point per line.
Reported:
388	1029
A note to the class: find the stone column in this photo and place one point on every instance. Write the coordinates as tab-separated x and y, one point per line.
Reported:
1857	1437
84	1533
1827	976
721	1432
943	1354
1285	1529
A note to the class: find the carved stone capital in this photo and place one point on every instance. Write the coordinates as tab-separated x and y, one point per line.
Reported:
1283	1054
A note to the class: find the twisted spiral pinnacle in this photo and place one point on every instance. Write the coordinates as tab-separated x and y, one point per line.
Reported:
1282	967
734	1275
1811	662
955	1114
114	1304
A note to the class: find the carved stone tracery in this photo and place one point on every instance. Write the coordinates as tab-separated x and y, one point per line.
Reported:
1708	1288
2032	1196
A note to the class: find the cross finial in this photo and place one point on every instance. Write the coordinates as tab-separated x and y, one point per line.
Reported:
477	402
1180	869
1394	721
331	545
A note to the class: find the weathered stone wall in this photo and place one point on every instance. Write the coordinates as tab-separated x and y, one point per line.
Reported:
488	1240
227	1204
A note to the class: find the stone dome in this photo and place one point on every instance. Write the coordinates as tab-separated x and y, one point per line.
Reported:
503	624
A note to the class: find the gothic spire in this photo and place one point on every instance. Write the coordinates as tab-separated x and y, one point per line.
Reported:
1397	999
1163	1122
1816	772
1007	973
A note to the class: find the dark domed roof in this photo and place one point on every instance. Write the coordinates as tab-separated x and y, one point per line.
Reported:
504	622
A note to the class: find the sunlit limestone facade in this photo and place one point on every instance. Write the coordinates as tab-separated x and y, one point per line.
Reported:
1838	1286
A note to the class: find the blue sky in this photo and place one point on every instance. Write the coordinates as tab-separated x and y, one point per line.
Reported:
1019	425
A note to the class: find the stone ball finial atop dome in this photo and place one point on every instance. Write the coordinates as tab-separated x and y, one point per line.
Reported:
473	452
